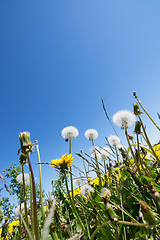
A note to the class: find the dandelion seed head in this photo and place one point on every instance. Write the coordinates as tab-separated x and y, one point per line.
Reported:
114	140
19	178
95	151
91	134
124	119
78	181
86	190
105	152
69	132
150	156
105	192
17	209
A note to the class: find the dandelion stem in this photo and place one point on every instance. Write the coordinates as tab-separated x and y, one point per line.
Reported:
24	195
84	165
147	113
72	203
132	152
148	141
40	178
98	170
71	179
36	228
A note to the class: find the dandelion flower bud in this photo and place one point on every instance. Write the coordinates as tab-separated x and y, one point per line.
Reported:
86	190
91	134
130	136
136	108
124	119
24	138
148	215
114	140
69	132
111	213
137	128
135	94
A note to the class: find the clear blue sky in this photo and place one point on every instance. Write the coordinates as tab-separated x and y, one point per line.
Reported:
59	58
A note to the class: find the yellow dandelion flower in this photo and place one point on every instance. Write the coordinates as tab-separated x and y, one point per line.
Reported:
63	162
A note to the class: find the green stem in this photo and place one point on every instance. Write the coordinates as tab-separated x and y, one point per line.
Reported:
20	226
72	203
120	222
132	152
139	158
40	179
31	206
36	228
147	113
71	179
117	156
98	170
125	237
84	165
24	196
148	142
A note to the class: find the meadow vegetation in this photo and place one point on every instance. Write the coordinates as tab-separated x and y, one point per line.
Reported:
122	203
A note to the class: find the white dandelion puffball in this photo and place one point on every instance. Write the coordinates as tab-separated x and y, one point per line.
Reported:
105	191
124	119
91	134
114	140
19	178
105	152
95	151
69	132
17	210
150	156
86	190
78	181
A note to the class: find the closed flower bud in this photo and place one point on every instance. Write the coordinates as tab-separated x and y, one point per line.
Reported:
135	94
130	136
136	109
148	215
137	129
24	138
155	195
111	213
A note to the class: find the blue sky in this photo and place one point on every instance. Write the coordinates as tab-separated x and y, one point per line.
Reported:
59	58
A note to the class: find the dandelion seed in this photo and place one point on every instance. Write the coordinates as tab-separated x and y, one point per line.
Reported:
124	119
114	140
19	178
86	190
91	134
69	132
105	152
